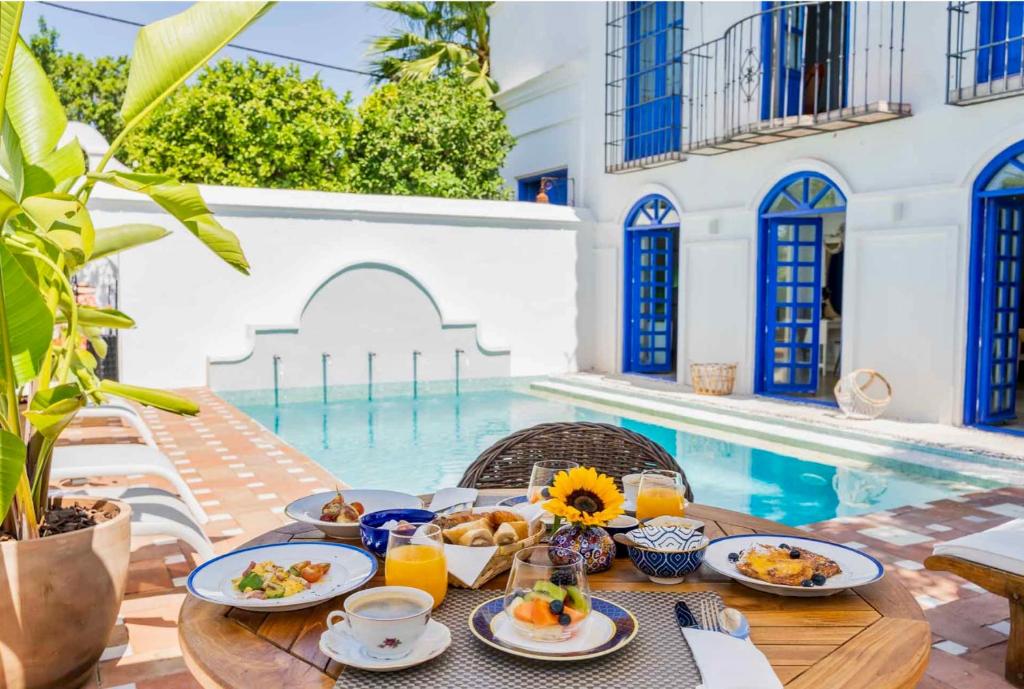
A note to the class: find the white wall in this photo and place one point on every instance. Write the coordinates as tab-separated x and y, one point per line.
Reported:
504	267
907	184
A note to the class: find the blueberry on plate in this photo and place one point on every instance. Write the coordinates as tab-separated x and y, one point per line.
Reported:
783	546
818	579
556	607
794	554
564	620
807	583
733	557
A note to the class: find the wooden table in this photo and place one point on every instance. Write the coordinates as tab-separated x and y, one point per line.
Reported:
873	638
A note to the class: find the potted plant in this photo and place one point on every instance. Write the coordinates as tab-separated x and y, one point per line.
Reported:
64	563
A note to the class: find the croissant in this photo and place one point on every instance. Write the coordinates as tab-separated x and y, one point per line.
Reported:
499	517
449	521
511	532
455	534
477	537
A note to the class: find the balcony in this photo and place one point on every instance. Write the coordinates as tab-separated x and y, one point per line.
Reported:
794	70
984	50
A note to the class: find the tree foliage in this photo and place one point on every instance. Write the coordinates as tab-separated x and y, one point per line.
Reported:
91	91
253	124
430	138
441	39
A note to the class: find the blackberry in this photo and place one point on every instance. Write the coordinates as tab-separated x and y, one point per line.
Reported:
563	577
794	554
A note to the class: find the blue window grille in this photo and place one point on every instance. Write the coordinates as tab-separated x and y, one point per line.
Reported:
790	282
995	301
651	286
654	46
805	53
555	183
1000	30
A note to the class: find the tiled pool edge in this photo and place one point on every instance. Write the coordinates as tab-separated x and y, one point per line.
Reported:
922	459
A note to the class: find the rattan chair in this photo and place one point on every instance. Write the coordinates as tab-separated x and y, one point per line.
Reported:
610	449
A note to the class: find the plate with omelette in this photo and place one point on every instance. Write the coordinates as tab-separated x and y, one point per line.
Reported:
792	565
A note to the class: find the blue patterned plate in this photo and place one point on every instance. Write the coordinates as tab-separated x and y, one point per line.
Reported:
608	629
513	501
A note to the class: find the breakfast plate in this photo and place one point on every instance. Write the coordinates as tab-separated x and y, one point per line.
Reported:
607	629
307	509
858	569
340	646
350	568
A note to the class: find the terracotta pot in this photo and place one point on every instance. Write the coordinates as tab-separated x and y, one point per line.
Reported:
59	599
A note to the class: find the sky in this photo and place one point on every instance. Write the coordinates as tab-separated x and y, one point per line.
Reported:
337	33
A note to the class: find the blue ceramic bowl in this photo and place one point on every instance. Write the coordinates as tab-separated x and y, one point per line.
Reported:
667	566
375	538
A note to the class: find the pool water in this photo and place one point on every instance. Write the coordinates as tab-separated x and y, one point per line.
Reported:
420	445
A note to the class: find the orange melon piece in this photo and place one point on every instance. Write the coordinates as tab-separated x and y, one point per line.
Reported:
574	614
542	615
524	611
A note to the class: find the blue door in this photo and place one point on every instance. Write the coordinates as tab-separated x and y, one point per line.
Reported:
1000	305
654	78
650	346
792	305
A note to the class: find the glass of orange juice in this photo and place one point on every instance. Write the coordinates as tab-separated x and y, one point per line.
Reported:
416	559
661	492
542	476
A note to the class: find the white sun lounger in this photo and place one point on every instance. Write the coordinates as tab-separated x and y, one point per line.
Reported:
155	512
124	413
82	461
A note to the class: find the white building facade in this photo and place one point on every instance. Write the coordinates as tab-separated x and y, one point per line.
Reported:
803	189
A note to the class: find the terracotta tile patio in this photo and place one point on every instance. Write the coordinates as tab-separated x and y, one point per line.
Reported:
244	476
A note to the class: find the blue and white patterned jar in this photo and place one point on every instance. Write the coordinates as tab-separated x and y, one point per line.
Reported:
592	542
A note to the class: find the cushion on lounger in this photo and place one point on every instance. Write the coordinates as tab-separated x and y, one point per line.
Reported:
1001	547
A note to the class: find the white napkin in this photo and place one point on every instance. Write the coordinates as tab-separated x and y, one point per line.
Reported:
466	563
449	497
729	663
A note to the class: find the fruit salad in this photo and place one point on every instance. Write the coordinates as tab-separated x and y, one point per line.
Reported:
548	611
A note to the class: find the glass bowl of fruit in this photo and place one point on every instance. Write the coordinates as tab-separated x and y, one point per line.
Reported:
547	599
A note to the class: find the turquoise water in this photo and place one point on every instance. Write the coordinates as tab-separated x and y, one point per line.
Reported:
424	444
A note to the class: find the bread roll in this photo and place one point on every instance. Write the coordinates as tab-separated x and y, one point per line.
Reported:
511	532
455	534
477	537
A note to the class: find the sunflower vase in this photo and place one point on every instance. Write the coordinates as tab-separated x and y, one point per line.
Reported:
592	542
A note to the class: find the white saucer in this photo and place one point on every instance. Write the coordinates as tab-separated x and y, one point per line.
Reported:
346	650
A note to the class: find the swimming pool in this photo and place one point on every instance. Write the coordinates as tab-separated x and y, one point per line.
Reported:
419	445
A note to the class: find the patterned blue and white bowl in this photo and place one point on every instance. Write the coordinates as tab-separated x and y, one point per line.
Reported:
666	537
668	566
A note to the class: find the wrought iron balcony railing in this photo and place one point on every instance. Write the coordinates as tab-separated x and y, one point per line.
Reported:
793	70
984	51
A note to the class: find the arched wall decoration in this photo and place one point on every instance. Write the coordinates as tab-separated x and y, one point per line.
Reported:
651	280
994	289
789	279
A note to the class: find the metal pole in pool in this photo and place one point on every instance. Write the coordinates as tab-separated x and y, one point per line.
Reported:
277	396
369	385
415	386
458	353
324	359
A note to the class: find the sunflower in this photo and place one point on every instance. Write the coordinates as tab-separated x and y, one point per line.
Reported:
582	496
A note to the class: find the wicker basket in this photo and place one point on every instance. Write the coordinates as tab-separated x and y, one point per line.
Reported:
863	394
500	562
713	379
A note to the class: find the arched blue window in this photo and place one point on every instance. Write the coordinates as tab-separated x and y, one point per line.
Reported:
651	286
995	303
790	261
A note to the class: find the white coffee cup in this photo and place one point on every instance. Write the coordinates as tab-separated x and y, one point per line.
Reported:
630	487
383	636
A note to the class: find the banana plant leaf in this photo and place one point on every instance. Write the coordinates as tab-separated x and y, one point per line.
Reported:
65	221
161	399
104	317
33	108
12	466
185	203
110	240
29	321
52	409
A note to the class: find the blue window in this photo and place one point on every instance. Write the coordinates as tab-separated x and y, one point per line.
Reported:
1000	27
556	186
653	78
651	285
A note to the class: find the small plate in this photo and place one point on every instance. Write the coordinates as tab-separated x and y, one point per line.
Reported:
859	569
351	567
307	509
435	640
512	501
607	629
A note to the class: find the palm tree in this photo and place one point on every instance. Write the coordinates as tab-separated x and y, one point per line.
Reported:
440	38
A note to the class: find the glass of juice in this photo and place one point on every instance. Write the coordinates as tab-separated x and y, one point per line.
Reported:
661	493
543	475
416	559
